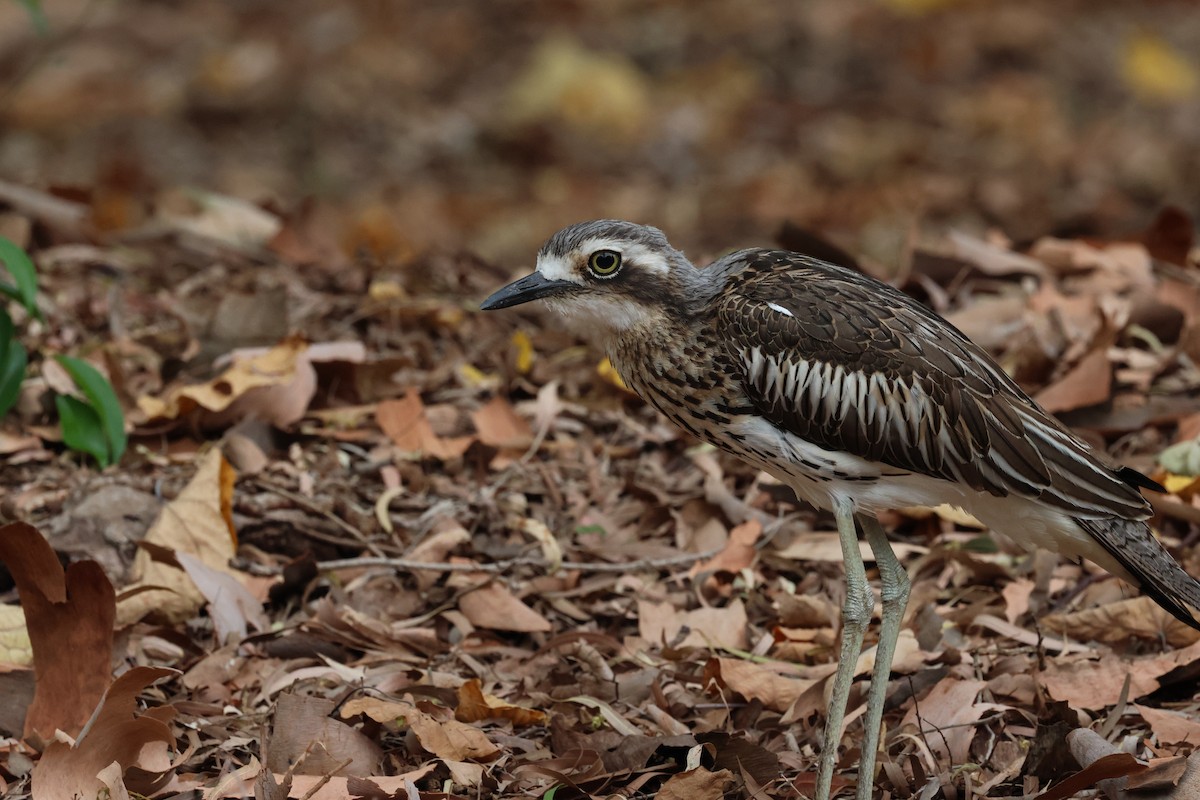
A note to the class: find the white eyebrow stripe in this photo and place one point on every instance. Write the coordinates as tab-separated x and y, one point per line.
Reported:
780	309
647	258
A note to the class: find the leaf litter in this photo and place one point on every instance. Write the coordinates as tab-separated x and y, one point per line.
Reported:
377	606
417	550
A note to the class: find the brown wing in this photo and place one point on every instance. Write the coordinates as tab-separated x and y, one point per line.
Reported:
854	365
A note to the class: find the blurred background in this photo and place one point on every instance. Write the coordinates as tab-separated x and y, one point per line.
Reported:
487	125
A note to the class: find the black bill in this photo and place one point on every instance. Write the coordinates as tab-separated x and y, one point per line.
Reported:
531	287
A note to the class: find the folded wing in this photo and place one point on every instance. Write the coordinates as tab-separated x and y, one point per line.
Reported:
862	368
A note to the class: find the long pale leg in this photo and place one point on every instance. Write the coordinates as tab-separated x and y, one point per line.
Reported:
894	593
856	613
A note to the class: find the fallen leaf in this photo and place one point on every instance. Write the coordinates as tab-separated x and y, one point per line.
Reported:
499	425
738	553
231	607
696	784
443	737
756	682
1088	383
199	522
496	608
475	706
115	733
69	618
1170	727
1095	684
307	741
1138	617
405	423
946	717
1156	70
275	385
714	626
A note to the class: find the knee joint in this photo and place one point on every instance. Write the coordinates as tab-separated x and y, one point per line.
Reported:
896	589
858	607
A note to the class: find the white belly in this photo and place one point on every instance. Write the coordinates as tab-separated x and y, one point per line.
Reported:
873	487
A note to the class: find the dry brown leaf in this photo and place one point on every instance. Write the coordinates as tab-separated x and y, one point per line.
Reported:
1016	598
241	784
475	706
69	617
1138	617
661	623
696	784
806	611
275	385
739	551
500	426
496	608
756	682
1088	383
199	522
1166	775
307	741
946	717
1092	685
1171	727
442	736
115	733
406	424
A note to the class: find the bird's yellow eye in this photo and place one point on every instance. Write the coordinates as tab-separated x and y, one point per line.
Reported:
604	263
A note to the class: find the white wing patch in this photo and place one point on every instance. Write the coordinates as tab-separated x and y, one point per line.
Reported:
780	309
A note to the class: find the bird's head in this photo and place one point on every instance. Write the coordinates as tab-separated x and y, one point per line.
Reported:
605	276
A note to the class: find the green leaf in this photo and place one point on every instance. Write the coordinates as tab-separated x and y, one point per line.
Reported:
100	394
37	16
81	427
23	272
13	360
1182	458
553	790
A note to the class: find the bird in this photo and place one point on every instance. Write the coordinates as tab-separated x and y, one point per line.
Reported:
860	399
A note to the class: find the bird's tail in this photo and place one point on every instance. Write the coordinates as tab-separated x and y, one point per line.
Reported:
1133	546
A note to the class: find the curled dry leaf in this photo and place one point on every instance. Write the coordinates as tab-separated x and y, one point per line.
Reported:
231	607
439	734
199	522
115	733
69	618
475	706
274	385
757	682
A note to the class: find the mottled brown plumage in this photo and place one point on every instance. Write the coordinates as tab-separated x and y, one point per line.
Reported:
856	396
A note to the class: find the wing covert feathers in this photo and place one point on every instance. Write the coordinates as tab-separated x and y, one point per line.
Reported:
859	367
